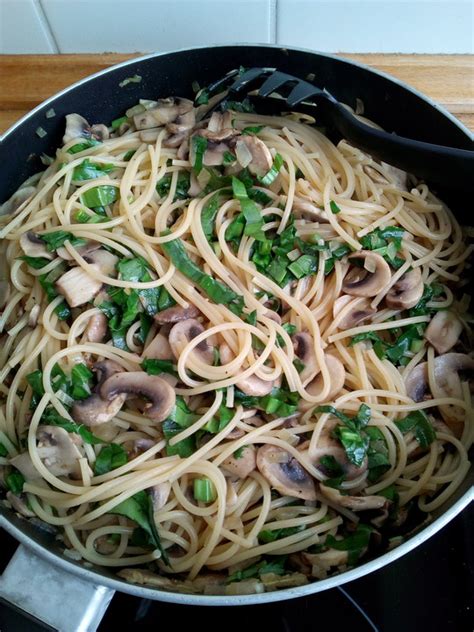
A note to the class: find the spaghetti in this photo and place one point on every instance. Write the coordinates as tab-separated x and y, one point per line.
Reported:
231	349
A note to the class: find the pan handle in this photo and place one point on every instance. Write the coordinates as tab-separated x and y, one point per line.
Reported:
37	590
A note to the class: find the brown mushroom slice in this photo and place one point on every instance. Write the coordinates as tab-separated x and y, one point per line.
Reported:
159	495
182	333
165	112
407	291
371	278
96	329
284	473
337	377
76	127
24	464
262	159
95	411
356	503
158	349
160	394
77	286
58	450
304	209
84	250
104	260
443	331
252	385
34	246
446	371
322	563
304	349
242	465
176	314
11	206
359	311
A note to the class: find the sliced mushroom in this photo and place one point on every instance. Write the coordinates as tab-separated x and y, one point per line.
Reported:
104	260
284	473
167	111
11	206
95	410
217	144
262	159
369	279
159	495
182	333
58	450
147	578
407	291
329	446
160	394
447	368
304	209
78	127
304	349
321	563
34	246
25	465
337	376
356	503
244	464
159	348
84	250
19	505
251	385
96	329
105	369
176	314
359	311
443	331
33	316
77	286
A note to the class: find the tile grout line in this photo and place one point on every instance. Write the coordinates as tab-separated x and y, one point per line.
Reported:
272	23
43	18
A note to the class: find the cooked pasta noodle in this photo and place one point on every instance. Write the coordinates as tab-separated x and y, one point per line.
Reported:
228	344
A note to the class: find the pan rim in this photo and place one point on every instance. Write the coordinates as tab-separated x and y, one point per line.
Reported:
287	593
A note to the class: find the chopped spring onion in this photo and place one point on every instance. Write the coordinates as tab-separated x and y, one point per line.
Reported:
204	490
199	147
41	132
50	113
100	196
134	79
334	207
273	172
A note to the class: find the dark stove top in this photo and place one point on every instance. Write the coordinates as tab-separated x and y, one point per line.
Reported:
430	589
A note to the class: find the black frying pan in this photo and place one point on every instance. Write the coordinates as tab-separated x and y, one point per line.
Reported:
388	102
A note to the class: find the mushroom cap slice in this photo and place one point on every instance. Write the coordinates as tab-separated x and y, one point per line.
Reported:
160	394
96	329
58	450
337	375
160	494
443	331
25	465
304	349
176	314
252	385
158	348
34	246
182	333
407	291
242	466
77	286
305	209
95	411
356	503
370	279
262	159
76	127
284	473
357	310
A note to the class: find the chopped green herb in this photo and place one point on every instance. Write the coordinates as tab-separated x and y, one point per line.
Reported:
88	170
275	565
238	453
81	377
15	481
334	207
253	217
355	544
35	262
182	186
199	144
58	238
228	158
110	458
277	534
53	418
83	145
204	490
354	441
156	367
116	123
272	174
208	215
100	196
251	131
418	423
180	419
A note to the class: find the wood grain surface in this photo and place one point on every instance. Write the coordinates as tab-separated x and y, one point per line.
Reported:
26	80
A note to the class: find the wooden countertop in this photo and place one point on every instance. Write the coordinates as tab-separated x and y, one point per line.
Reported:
26	80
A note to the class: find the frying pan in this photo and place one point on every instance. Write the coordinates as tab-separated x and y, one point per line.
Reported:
65	593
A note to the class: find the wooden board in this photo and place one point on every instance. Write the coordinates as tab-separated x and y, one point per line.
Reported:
26	80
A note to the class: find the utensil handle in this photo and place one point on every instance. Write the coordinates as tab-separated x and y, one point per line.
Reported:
37	590
447	166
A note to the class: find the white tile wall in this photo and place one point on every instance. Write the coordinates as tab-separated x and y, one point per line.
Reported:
80	26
